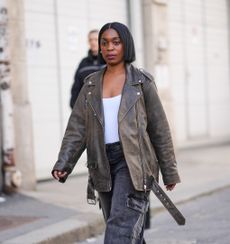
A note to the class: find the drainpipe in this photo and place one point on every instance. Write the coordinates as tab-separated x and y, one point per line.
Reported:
136	27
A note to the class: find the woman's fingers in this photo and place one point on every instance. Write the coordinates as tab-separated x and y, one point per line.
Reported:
59	174
170	187
62	174
56	175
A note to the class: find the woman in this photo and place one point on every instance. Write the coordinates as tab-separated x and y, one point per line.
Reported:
119	119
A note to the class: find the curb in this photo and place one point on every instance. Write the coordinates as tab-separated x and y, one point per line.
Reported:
67	231
73	230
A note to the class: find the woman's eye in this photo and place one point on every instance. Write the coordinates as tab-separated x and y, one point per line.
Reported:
116	43
103	43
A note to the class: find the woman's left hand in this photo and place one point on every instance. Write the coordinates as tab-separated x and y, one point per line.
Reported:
170	187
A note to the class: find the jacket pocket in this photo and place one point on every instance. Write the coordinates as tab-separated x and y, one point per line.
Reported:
136	210
137	204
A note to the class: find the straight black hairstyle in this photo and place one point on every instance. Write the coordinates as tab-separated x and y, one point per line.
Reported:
126	39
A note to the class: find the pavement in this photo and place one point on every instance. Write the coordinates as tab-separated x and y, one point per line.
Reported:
208	222
58	213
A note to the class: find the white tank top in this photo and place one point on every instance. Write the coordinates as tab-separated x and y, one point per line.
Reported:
111	107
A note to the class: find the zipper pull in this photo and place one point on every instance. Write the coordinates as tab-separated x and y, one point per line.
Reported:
145	188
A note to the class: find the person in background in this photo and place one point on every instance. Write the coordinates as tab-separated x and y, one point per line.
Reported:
87	66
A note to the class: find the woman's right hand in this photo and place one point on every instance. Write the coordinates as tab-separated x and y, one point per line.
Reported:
57	174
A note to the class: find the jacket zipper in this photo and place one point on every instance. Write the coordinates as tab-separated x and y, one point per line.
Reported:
141	155
110	180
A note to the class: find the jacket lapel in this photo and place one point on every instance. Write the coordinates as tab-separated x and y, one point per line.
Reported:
130	94
94	96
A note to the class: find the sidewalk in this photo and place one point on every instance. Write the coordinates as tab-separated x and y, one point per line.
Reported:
58	213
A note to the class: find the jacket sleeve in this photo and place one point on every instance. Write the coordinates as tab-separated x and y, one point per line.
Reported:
74	141
159	133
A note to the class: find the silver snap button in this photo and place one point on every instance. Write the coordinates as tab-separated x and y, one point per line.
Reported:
89	93
90	82
94	114
138	93
140	81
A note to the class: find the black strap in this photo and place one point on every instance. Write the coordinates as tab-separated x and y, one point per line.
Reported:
168	204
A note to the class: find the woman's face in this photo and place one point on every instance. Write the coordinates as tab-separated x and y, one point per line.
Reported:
112	49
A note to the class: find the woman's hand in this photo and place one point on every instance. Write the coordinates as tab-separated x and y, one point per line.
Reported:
59	174
170	187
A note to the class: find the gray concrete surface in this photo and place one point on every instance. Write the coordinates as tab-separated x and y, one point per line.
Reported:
208	222
58	213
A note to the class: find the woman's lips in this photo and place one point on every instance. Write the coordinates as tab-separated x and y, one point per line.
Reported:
110	56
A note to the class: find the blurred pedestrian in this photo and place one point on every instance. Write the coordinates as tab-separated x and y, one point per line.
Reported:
119	119
87	66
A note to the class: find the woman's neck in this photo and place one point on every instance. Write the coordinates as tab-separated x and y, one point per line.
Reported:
116	69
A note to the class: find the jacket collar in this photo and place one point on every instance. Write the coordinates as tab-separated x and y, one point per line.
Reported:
130	94
133	77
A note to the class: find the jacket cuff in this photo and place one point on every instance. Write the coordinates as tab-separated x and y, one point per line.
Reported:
172	179
63	169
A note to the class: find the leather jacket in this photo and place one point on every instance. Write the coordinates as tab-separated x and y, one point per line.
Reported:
143	130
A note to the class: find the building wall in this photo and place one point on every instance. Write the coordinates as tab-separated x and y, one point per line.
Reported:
195	47
199	70
56	40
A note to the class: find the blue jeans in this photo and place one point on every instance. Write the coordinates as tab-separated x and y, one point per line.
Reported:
123	207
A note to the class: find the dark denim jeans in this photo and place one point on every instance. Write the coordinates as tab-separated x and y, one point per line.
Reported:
123	207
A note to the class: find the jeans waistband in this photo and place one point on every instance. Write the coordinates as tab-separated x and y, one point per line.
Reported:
113	145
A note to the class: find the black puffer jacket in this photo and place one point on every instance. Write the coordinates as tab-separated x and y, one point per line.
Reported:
87	66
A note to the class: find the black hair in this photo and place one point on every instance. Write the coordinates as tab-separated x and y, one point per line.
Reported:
126	39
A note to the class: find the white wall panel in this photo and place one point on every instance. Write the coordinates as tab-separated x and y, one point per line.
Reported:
199	68
56	39
217	32
72	8
78	17
40	48
42	6
102	11
220	120
42	79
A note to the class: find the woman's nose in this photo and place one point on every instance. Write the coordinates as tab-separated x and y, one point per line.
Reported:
110	46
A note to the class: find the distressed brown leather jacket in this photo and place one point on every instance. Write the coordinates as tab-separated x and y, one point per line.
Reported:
143	130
